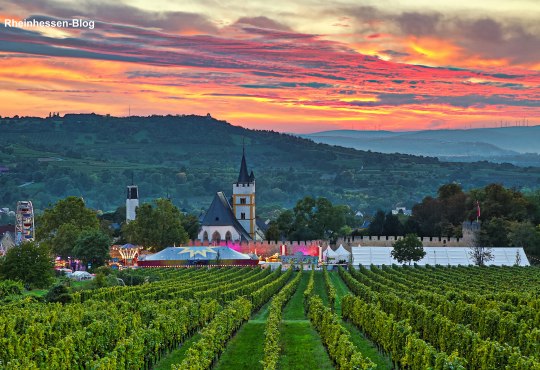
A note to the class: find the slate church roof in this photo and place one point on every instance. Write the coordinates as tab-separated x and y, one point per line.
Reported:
243	176
220	214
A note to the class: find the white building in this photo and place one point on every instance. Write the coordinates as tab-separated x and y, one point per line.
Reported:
236	221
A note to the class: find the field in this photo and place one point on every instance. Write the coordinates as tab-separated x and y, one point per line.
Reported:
243	318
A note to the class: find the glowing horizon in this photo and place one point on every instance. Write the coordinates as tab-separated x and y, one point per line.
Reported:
302	67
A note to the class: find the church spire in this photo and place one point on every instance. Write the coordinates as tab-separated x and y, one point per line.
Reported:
243	176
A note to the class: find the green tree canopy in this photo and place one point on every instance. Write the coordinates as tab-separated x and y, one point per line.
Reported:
313	218
92	246
31	263
408	249
527	236
376	227
191	224
439	216
60	226
392	225
157	227
498	201
272	233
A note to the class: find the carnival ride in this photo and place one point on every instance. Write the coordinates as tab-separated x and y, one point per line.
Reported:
24	222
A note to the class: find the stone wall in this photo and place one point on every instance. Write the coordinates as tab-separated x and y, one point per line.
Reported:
387	241
469	230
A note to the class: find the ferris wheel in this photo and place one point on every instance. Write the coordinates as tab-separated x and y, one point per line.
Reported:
24	224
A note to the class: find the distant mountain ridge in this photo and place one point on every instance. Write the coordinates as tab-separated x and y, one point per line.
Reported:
518	145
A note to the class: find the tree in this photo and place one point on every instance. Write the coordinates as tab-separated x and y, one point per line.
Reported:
30	263
345	231
525	235
157	227
191	224
376	227
285	223
498	201
58	293
408	249
272	233
441	215
313	219
480	253
92	247
391	225
60	226
494	233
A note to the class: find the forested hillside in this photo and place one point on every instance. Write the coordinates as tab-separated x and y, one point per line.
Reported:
188	158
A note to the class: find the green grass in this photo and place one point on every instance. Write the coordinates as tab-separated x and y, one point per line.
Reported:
81	284
262	314
320	287
176	356
35	292
364	345
294	309
245	350
302	347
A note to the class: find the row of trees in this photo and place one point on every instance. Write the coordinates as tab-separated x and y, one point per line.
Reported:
71	230
508	217
311	219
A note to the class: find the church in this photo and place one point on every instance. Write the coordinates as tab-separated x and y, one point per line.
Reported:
234	219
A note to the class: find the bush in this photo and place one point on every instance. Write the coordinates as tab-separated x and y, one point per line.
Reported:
10	287
58	293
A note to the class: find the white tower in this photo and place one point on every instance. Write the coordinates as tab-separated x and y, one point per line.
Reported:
244	198
132	202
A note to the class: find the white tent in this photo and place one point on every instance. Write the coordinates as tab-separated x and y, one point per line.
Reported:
330	255
342	254
447	256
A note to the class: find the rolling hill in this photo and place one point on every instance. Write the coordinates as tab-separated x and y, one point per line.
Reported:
188	158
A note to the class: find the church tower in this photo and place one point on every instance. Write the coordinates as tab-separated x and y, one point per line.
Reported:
244	198
132	202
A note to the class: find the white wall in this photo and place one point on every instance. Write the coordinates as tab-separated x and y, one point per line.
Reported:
222	231
448	256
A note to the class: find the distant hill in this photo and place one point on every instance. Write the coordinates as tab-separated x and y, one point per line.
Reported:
189	158
517	145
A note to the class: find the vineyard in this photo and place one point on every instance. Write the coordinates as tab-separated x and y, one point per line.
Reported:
245	318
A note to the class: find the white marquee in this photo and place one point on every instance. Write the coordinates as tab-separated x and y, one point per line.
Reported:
447	256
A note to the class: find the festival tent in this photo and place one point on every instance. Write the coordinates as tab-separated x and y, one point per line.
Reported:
329	255
445	256
196	256
342	254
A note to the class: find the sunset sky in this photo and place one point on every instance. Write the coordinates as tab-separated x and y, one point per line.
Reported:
295	66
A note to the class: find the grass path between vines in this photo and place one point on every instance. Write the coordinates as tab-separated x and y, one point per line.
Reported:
176	356
246	349
301	345
365	346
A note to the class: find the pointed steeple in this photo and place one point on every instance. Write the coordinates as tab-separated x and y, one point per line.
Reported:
243	176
